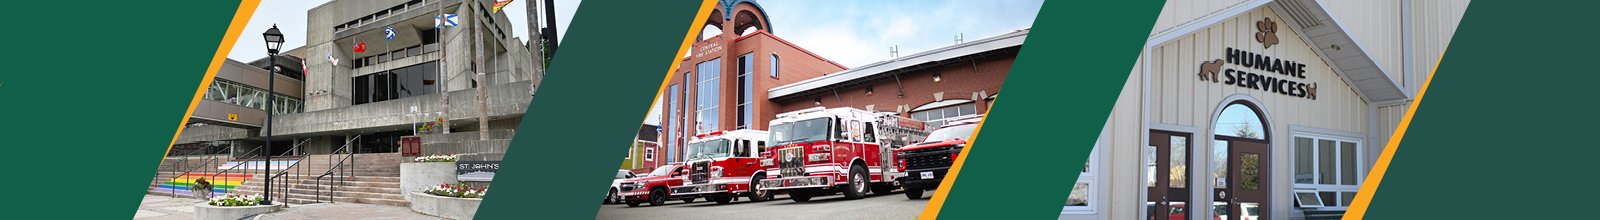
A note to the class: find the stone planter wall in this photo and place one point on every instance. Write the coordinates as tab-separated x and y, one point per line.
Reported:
444	207
203	211
414	177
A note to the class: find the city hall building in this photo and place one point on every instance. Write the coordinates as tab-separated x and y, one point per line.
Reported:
746	75
1260	109
370	73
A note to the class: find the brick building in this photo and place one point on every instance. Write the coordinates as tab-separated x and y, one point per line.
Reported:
744	76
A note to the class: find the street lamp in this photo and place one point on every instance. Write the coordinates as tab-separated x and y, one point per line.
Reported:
274	42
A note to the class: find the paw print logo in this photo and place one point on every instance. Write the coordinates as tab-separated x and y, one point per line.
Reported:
1267	32
1209	69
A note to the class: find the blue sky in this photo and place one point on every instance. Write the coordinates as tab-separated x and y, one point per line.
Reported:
854	33
290	16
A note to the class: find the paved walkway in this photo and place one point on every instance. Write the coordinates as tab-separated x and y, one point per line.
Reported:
167	208
162	207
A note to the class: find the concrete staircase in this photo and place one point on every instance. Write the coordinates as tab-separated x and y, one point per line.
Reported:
373	179
167	182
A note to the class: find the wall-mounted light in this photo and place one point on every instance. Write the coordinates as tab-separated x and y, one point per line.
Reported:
937	78
816	101
869	90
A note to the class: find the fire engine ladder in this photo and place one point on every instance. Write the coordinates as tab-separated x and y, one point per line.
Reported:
893	134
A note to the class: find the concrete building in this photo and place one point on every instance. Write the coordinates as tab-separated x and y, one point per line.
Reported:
356	97
1260	109
746	75
385	92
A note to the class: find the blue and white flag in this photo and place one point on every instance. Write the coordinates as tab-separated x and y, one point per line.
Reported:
388	33
335	61
449	19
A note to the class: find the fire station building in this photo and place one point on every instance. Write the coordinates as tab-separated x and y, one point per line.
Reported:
1265	109
743	77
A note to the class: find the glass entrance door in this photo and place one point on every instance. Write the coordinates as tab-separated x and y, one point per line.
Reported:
1243	193
1167	163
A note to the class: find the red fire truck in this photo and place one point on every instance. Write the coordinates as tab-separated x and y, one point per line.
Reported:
923	165
653	187
722	164
820	151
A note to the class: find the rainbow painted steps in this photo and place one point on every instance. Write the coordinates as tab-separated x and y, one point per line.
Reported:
221	183
258	165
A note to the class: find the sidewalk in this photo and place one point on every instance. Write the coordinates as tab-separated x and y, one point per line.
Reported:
167	208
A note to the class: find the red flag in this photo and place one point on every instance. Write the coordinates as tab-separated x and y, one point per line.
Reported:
361	47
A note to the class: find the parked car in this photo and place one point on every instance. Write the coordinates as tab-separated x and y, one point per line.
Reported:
923	165
622	175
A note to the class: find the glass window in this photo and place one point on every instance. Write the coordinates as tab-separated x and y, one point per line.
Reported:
1302	159
707	95
1178	162
1083	196
774	66
671	121
1240	120
937	117
1329	167
745	90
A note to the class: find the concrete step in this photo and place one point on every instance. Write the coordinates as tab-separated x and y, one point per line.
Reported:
325	185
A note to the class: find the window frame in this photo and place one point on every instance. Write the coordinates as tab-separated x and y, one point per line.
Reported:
1089	175
1336	187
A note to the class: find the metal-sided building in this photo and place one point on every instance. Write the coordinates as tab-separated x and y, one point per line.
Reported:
1260	109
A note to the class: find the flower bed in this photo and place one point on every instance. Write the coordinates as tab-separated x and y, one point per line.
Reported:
435	158
235	200
457	190
444	206
233	206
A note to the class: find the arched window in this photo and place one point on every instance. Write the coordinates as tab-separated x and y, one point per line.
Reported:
1240	120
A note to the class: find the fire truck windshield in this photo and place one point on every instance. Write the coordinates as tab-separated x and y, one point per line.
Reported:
709	149
815	129
958	131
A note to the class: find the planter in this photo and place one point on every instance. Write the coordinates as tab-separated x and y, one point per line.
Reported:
444	207
203	211
414	177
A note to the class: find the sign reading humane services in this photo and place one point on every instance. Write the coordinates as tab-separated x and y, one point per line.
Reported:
1260	72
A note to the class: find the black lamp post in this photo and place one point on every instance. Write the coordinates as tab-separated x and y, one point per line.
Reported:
274	42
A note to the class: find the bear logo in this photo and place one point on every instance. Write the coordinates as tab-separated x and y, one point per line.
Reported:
1209	69
1311	91
1267	32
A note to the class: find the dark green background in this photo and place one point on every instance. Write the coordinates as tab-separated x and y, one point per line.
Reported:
1056	100
1506	128
90	95
594	97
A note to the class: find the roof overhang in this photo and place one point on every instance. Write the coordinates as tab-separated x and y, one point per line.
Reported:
1343	52
1003	42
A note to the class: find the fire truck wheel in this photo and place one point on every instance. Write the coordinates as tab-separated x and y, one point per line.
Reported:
800	195
722	199
858	185
689	200
882	189
756	194
913	194
658	196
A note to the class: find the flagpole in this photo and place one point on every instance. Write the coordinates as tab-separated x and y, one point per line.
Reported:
444	79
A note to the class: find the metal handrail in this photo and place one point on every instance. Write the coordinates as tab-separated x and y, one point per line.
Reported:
284	183
208	159
245	158
180	164
340	166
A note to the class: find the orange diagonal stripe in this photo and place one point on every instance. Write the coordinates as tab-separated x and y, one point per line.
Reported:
1358	207
240	18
